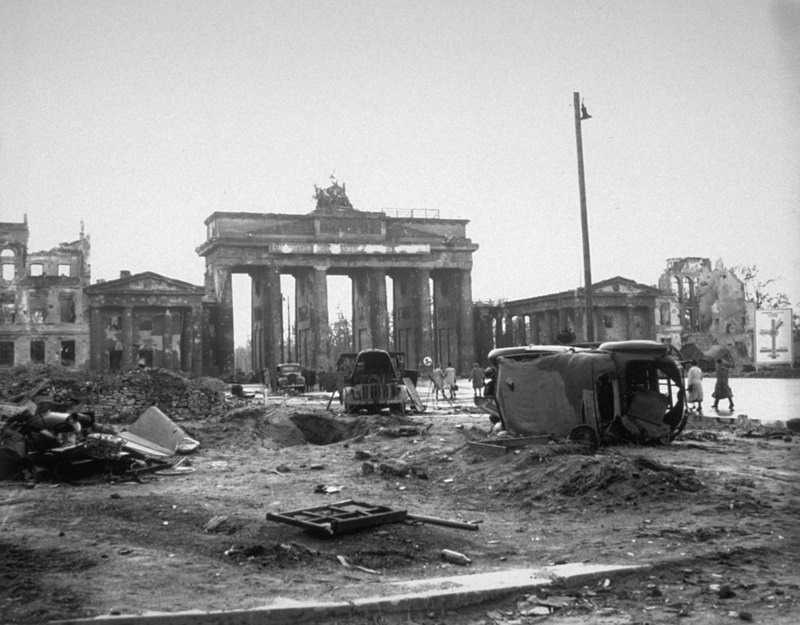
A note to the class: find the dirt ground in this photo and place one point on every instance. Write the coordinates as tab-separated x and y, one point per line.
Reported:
718	508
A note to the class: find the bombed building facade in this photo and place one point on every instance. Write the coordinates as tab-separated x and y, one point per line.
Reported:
711	306
44	316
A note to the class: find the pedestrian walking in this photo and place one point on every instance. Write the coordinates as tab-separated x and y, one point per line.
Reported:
478	379
438	382
722	389
694	387
450	380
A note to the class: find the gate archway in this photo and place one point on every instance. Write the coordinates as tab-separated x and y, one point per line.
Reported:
428	259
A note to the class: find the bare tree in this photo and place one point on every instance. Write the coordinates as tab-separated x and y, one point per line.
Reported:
756	288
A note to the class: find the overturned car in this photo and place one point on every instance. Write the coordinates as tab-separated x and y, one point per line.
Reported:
619	391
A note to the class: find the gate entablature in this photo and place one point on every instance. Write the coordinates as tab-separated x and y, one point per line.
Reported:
367	246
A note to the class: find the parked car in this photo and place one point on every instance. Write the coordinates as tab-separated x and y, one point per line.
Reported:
290	378
374	383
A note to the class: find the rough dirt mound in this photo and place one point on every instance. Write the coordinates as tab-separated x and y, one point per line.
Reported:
249	427
564	473
611	478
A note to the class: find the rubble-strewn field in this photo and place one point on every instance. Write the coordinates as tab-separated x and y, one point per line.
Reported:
720	504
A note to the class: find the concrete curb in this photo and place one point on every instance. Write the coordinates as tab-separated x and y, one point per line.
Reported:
435	594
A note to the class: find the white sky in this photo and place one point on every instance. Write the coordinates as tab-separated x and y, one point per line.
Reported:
142	118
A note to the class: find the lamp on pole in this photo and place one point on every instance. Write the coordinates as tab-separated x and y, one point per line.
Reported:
580	115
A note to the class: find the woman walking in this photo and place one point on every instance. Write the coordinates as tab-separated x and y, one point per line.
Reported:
694	387
722	389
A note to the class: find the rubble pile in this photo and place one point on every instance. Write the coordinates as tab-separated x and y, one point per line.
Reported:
124	397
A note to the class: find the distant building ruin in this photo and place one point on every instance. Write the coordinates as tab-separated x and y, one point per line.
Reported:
694	304
146	320
622	310
712	306
43	311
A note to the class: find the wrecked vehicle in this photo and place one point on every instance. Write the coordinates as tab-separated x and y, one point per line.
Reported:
375	383
68	444
619	391
290	378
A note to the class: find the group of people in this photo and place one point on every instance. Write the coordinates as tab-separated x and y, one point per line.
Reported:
444	381
694	387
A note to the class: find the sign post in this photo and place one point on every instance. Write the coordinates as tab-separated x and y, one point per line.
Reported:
772	334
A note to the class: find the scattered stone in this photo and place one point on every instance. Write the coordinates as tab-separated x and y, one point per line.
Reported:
368	468
362	454
726	592
398	468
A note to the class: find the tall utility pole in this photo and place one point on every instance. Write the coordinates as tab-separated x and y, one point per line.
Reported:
580	115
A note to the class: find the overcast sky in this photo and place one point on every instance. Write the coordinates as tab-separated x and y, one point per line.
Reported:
140	119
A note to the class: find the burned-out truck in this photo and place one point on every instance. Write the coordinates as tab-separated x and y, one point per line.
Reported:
376	382
619	391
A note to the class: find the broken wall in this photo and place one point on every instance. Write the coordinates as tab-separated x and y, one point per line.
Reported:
712	306
43	311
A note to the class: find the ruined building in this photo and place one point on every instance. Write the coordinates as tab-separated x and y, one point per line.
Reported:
711	304
427	259
622	310
694	304
43	310
146	320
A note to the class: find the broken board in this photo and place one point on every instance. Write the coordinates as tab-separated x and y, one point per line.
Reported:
342	517
501	446
412	391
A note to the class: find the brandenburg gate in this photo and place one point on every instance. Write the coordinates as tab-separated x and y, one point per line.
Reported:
427	259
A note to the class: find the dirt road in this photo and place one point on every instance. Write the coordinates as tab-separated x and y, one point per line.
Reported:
719	507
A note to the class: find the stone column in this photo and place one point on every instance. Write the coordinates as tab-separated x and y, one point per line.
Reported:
378	309
466	331
98	341
225	336
630	329
129	359
318	320
498	328
370	309
535	339
271	319
166	338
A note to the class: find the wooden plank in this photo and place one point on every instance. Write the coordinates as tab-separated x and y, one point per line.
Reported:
412	391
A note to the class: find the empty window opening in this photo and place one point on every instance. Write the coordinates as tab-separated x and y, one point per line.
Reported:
8	271
67	353
37	269
146	357
37	352
115	357
64	270
8	309
67	308
6	353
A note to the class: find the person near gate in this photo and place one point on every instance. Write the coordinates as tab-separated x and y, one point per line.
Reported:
722	389
478	379
438	382
694	387
450	380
